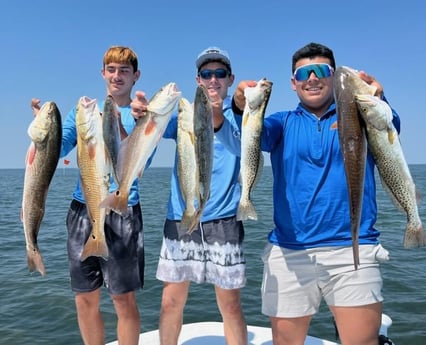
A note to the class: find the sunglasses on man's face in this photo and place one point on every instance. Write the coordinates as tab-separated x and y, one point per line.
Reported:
219	73
321	70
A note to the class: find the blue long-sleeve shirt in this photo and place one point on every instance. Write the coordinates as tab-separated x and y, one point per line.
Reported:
310	194
224	187
69	141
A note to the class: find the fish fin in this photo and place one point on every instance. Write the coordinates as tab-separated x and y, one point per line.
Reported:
150	127
414	236
116	201
94	247
392	136
419	196
246	211
245	119
35	261
192	138
91	147
31	152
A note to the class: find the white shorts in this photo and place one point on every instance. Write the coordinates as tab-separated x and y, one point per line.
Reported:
295	281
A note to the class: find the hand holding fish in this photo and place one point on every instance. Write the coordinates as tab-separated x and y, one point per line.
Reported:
139	105
369	79
35	105
239	98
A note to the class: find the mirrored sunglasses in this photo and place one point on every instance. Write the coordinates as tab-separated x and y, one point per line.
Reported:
321	70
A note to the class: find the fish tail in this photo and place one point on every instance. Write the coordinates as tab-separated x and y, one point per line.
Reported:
246	210
94	247
188	218
117	202
414	235
355	250
35	261
195	221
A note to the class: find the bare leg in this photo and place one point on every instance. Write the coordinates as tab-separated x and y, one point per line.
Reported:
290	331
234	324
128	324
90	318
358	325
171	315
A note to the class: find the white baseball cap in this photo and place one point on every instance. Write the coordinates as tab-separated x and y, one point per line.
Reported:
213	54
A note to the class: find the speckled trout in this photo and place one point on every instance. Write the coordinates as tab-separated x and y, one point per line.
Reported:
42	158
385	146
204	148
187	169
136	149
111	132
251	155
95	173
353	142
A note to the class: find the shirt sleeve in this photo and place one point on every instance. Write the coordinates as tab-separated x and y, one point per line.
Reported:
69	133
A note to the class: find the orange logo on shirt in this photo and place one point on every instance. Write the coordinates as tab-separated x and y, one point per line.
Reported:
334	125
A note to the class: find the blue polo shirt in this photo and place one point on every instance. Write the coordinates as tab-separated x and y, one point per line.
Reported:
310	194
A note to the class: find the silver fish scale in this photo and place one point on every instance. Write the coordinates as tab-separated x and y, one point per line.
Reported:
204	136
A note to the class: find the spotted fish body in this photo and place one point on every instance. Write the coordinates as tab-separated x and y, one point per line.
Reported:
251	155
111	132
204	148
42	159
385	146
353	143
187	170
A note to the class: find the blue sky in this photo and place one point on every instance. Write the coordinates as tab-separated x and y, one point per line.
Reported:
53	50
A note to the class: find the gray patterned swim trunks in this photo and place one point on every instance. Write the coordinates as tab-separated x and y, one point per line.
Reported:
124	270
212	253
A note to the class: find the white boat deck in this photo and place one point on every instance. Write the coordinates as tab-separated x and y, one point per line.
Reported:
211	333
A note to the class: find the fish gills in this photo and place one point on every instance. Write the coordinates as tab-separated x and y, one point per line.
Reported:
353	143
385	146
42	159
136	149
94	173
251	155
204	149
187	170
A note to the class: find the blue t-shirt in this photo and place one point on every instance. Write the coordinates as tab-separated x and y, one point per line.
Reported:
224	187
310	194
69	141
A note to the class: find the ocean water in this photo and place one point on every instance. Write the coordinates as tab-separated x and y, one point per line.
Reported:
40	310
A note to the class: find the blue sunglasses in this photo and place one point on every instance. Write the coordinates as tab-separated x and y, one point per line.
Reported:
321	70
219	73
